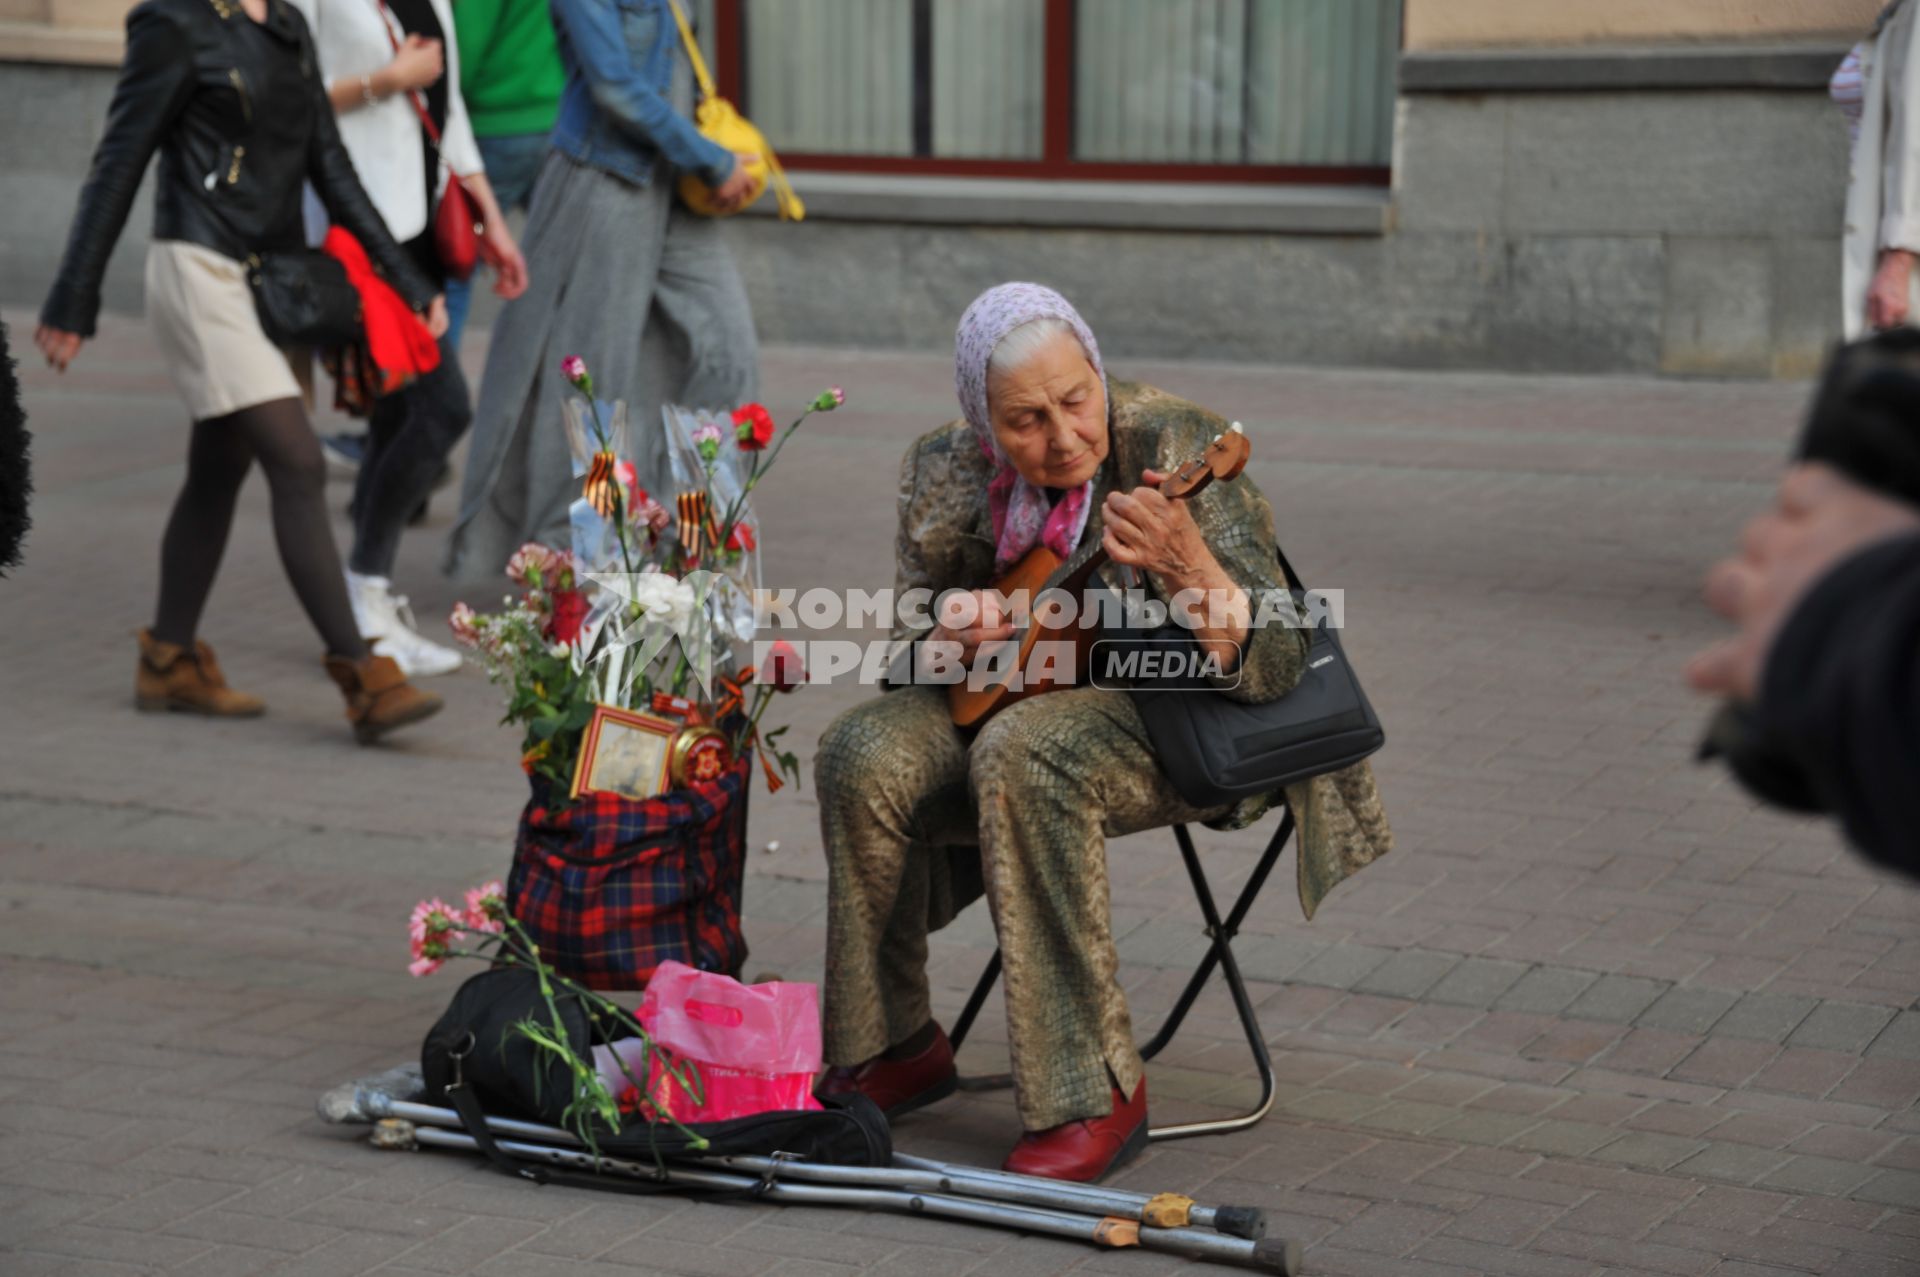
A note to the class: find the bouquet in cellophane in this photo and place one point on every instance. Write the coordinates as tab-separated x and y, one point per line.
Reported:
651	606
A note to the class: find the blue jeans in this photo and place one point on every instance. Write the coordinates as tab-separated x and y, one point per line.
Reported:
512	162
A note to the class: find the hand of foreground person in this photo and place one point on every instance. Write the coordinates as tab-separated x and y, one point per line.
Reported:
58	345
1821	519
436	316
1890	296
733	192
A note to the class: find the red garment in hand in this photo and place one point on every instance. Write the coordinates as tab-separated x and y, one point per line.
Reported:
399	347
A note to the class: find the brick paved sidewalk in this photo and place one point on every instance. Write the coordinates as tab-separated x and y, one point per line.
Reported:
1597	1014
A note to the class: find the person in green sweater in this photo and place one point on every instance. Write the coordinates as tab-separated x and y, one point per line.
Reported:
511	77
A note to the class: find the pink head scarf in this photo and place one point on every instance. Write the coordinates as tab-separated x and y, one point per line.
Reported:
1022	513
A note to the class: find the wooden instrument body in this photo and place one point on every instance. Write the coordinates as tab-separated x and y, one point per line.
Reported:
1025	582
1028	579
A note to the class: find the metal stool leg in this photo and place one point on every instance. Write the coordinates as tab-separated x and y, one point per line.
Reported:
1222	934
1219	954
988	979
1241	907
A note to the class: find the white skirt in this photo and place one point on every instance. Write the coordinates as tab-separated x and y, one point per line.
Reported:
201	311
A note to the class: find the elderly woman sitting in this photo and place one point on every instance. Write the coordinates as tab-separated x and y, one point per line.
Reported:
919	817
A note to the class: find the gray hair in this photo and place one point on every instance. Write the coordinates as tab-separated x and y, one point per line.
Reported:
1024	342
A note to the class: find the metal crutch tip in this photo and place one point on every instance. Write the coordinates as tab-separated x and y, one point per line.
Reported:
393	1132
1249	1222
1277	1255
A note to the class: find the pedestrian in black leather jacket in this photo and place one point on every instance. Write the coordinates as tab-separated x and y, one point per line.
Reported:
229	93
240	118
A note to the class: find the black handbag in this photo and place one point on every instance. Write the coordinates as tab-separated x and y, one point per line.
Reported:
1217	750
304	298
474	1063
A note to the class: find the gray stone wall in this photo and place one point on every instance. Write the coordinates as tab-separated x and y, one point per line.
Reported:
1688	231
54	116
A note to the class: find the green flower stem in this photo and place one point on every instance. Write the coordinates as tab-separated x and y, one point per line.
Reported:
759	471
751	732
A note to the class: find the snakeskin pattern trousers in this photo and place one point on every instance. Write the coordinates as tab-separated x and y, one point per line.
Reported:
918	820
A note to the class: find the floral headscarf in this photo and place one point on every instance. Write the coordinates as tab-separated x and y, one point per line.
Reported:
1022	513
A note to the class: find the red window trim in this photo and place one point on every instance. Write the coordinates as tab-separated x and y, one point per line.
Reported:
1056	160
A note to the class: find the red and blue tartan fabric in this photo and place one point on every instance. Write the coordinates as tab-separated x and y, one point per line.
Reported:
610	888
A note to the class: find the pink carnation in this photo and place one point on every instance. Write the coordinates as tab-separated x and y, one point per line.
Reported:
429	929
534	565
465	626
487	908
574	369
647	512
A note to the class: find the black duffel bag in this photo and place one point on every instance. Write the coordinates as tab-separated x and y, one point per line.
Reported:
476	1064
1217	750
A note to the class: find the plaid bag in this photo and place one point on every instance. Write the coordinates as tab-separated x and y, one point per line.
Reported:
609	888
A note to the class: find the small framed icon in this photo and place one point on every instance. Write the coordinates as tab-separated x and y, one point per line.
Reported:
624	752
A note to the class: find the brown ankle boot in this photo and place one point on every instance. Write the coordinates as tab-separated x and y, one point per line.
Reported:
171	677
379	698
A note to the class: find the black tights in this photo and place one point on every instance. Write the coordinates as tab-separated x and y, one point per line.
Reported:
223	448
409	436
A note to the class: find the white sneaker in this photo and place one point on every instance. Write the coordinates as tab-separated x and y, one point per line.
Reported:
387	623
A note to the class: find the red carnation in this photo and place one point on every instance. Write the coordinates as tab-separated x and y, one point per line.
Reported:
741	538
783	670
569	614
753	427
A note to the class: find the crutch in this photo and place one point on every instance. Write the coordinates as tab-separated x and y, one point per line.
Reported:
913	1174
908	1174
1266	1255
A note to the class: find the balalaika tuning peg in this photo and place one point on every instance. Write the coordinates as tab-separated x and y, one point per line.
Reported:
1236	428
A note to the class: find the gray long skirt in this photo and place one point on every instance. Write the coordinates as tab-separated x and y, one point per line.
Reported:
643	290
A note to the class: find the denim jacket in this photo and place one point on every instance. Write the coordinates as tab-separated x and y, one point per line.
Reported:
616	113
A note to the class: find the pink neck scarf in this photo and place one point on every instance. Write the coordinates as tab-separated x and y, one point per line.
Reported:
1023	514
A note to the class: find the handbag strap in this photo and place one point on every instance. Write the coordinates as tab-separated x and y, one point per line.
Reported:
1293	578
700	75
413	96
791	209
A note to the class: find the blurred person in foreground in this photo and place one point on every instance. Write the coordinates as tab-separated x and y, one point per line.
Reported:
1823	675
228	95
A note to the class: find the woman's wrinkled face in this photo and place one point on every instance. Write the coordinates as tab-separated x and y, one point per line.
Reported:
1050	415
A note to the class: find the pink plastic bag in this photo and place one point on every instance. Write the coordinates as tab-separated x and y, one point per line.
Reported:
754	1047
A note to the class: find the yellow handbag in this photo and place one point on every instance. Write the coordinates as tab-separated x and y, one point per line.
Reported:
720	123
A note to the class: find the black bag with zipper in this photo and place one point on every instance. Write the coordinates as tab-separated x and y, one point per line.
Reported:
304	298
302	295
1217	750
475	1064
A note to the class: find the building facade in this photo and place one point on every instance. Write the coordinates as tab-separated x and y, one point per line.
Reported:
1591	185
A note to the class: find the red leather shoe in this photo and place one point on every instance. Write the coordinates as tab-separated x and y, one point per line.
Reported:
1087	1149
899	1086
